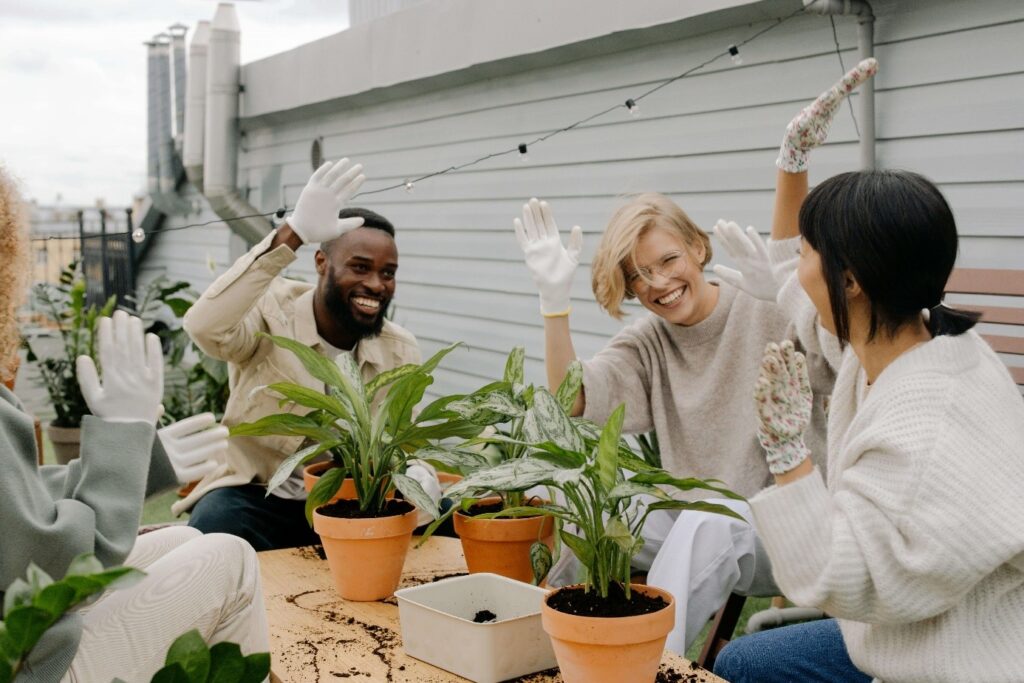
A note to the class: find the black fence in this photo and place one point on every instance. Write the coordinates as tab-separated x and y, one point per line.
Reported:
108	255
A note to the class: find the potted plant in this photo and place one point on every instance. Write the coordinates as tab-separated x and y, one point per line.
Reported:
365	538
515	413
64	305
606	628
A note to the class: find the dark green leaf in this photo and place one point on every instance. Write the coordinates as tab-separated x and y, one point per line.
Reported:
402	398
607	459
580	547
569	388
55	598
257	668
178	306
696	506
172	673
438	409
540	561
514	366
227	665
25	624
6	671
310	398
315	364
431	363
190	652
285	424
324	490
663	478
386	378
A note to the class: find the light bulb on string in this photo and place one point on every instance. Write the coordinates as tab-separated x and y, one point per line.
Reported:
523	156
408	186
734	55
634	110
138	235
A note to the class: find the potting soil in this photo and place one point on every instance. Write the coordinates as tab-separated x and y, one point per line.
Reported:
582	604
349	509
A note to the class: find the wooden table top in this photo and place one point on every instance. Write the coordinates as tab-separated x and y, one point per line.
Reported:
317	636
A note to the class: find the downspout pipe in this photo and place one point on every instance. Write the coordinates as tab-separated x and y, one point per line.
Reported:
866	46
177	33
195	105
165	199
152	124
220	149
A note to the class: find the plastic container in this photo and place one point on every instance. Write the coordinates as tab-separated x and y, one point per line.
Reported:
438	628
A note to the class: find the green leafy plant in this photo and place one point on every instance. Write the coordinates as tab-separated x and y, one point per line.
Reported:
64	306
37	602
370	441
190	660
600	482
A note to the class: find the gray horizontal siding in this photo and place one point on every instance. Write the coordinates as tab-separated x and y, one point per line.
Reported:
949	99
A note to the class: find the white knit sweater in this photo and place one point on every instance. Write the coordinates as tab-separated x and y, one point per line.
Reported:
916	541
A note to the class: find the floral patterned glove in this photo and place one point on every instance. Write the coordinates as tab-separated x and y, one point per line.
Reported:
810	127
782	398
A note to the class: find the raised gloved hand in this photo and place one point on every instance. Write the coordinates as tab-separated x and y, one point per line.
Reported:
315	218
810	127
427	479
133	372
551	265
754	275
193	444
782	399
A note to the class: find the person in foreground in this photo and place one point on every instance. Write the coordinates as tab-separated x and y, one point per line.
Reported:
914	540
53	513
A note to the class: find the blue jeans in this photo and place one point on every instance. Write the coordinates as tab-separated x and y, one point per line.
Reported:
813	651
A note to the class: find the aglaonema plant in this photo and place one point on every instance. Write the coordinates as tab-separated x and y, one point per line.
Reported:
370	440
605	492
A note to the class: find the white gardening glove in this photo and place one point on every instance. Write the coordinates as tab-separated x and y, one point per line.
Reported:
748	251
193	446
810	127
551	265
427	479
315	218
782	399
133	372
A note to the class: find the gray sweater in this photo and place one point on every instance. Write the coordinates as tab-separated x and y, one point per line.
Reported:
52	513
694	387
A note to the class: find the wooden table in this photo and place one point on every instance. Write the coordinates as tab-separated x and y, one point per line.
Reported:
316	636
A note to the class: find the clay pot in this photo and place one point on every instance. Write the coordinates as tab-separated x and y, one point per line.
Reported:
311	475
66	442
502	546
365	555
609	650
447	479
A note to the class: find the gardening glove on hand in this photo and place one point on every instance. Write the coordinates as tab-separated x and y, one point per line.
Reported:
315	218
193	446
133	372
427	479
810	127
755	276
551	264
782	399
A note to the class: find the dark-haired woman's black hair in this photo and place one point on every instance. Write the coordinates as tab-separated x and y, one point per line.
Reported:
895	234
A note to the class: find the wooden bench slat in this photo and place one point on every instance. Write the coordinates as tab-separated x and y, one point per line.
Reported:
1004	344
986	281
1018	375
996	314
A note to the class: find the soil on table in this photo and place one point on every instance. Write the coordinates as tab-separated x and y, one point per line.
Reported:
582	604
349	509
484	616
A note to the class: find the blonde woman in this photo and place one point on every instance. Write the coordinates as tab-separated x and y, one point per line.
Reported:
93	505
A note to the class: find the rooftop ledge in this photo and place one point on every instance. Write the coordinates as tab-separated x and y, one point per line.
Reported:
446	43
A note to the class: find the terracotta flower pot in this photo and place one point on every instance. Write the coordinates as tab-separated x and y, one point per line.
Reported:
609	650
365	555
447	479
66	442
311	475
502	546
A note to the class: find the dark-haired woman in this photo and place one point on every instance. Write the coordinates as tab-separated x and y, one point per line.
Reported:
915	540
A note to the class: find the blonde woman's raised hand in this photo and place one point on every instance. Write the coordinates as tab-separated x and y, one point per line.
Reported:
133	372
783	399
315	218
753	273
810	127
550	263
193	446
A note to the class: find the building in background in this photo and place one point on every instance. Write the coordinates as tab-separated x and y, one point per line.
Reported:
443	82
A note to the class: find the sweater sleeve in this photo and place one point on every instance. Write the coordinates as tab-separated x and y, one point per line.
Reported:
93	506
618	374
797	306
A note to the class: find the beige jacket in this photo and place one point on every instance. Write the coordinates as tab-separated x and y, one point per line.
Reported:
251	297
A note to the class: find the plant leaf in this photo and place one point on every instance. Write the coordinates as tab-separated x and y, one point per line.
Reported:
546	421
26	624
300	457
455	459
607	458
696	506
512	475
569	388
190	652
629	489
487	409
580	547
310	398
83	565
617	531
514	366
18	593
324	490
285	424
315	364
438	409
414	493
664	478
56	599
383	379
257	668
227	665
540	561
172	673
402	398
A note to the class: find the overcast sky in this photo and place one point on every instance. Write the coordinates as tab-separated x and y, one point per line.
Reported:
73	83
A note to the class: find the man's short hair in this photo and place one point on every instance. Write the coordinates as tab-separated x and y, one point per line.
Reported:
371	219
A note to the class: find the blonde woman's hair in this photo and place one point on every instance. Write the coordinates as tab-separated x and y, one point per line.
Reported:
14	266
617	251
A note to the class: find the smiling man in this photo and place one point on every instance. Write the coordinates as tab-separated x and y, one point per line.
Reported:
344	311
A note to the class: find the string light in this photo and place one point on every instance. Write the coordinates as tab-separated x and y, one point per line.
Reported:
633	109
138	235
523	156
408	186
734	55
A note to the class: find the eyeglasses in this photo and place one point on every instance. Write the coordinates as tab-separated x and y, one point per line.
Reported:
667	266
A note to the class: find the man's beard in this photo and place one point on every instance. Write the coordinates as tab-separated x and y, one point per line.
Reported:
341	310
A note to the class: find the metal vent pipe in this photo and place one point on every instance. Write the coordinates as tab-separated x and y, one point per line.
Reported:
866	46
195	105
220	147
165	114
178	74
152	122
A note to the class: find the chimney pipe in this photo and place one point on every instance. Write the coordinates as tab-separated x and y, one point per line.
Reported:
195	105
177	79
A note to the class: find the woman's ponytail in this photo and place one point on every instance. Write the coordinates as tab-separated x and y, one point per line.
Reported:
943	320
